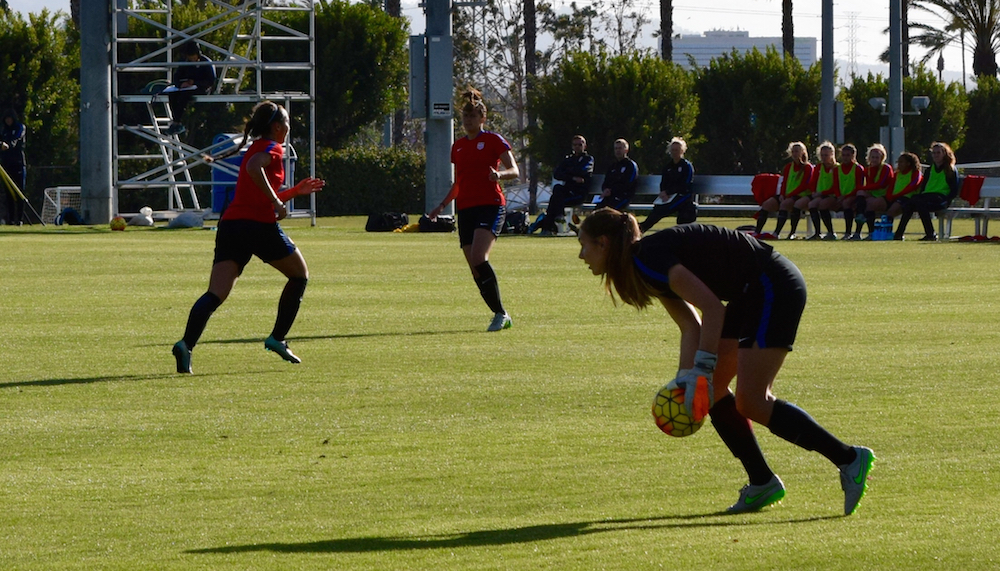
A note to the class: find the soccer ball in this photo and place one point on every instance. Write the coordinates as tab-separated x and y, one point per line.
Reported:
118	223
670	414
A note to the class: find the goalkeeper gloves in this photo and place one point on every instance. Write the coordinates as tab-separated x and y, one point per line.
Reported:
697	385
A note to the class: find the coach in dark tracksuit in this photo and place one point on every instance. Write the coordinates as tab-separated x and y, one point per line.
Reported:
12	134
621	179
574	174
675	189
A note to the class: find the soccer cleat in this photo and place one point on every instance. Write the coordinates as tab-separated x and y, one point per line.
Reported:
281	348
929	238
854	478
175	129
830	237
755	498
816	236
536	224
183	356
500	321
856	237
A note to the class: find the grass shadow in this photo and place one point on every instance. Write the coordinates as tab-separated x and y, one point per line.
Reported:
496	537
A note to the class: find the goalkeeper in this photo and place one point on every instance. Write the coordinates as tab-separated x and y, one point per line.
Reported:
696	266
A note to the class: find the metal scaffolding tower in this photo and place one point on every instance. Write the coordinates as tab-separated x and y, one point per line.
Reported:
249	42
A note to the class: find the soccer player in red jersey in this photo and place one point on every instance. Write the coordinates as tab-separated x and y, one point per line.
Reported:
249	227
481	159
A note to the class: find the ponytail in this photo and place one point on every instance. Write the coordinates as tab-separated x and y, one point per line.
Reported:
473	102
259	125
622	232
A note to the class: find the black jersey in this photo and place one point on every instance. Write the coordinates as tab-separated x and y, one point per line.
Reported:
726	260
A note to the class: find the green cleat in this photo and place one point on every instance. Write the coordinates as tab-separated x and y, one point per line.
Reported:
281	348
183	356
500	321
756	498
854	478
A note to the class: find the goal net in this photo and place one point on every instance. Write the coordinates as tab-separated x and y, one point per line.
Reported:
57	199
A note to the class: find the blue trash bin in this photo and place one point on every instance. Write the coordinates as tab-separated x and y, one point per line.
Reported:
224	181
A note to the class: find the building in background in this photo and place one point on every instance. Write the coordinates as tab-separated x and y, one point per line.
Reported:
716	43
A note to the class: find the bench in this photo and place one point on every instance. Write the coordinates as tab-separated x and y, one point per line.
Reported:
708	191
980	206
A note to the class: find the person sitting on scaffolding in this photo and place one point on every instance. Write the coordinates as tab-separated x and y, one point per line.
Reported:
189	80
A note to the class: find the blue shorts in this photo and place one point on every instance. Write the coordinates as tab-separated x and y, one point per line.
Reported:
768	314
486	217
239	240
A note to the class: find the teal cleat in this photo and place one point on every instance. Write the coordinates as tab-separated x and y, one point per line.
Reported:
183	356
756	498
854	478
281	348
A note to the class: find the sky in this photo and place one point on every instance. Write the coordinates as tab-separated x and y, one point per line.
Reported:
758	17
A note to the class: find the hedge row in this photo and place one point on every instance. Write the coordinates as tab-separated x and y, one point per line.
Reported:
366	180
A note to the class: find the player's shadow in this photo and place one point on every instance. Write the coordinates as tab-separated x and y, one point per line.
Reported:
495	537
294	338
65	381
84	380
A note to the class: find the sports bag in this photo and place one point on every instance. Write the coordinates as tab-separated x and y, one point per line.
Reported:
441	224
386	222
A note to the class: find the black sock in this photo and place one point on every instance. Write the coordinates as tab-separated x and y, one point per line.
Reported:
870	220
814	216
288	307
488	286
201	311
796	426
761	219
849	220
796	215
782	217
736	433
827	220
925	218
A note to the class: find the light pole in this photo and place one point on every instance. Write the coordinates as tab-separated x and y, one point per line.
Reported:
892	137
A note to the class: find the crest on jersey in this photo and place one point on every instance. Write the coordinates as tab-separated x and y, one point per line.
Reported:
480	145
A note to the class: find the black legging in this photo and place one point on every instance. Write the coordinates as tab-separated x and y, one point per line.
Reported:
561	198
924	205
682	204
15	206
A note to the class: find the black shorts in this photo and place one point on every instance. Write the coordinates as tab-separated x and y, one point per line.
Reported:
239	240
768	314
471	219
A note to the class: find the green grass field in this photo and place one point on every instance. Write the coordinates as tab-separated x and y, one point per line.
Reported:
410	438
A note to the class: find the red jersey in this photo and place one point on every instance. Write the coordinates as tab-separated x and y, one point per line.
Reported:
473	159
249	201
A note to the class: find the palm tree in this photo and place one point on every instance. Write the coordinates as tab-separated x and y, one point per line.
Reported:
980	19
667	29
787	29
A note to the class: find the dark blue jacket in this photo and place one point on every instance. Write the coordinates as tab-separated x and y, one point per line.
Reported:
622	178
677	177
13	135
575	166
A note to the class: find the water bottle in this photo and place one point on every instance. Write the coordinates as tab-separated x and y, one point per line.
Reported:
883	228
